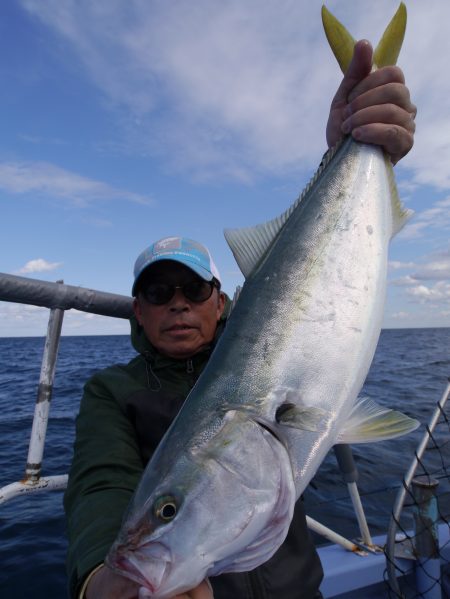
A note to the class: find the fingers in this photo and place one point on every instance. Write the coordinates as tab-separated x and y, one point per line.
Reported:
389	93
382	113
378	78
359	68
373	106
395	140
388	114
106	584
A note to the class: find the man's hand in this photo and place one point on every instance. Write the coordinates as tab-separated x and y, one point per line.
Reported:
374	107
106	584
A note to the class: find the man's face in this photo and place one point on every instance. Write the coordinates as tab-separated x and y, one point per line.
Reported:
180	328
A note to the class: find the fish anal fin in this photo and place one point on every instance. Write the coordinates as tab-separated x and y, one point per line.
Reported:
370	422
400	214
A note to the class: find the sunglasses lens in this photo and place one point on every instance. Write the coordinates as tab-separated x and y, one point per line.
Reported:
161	293
198	291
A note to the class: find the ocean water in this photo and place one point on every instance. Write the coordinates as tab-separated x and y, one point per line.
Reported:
409	373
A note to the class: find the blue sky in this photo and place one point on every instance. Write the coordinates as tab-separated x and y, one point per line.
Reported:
128	120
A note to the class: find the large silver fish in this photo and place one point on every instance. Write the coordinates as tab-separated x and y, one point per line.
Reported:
281	387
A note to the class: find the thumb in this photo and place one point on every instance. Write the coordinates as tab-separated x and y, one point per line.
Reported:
359	68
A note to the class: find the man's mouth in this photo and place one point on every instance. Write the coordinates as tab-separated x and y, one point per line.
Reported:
180	327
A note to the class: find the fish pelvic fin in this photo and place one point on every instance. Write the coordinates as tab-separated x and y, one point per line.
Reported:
370	422
342	43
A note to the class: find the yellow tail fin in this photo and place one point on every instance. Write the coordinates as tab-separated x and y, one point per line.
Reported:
388	49
342	43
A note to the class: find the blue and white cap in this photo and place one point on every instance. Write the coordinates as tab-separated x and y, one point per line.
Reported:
191	253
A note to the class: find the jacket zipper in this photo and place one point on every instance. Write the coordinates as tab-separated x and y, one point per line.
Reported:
258	590
189	367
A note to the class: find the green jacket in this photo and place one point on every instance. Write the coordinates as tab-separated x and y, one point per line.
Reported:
124	413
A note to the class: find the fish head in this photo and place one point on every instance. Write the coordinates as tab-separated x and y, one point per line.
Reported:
216	509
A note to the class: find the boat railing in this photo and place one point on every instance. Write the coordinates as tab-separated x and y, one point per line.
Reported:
59	297
420	551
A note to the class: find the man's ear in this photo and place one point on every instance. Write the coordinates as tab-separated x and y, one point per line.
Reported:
137	310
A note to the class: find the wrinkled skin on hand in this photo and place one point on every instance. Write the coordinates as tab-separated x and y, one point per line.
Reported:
106	584
375	107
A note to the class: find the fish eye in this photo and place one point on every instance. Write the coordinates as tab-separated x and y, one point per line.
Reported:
165	508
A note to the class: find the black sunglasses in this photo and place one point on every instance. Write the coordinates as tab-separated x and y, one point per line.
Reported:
195	291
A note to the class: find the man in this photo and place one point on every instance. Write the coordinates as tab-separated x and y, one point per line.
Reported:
180	311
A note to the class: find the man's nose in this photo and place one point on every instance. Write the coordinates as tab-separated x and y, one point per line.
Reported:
179	301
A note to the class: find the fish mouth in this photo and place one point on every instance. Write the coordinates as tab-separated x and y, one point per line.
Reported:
148	566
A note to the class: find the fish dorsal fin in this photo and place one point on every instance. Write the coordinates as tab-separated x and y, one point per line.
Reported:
371	422
388	49
251	244
342	43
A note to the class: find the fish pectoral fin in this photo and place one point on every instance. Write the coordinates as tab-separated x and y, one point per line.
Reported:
306	419
371	422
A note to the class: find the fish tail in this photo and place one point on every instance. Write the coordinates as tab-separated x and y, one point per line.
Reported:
388	49
342	43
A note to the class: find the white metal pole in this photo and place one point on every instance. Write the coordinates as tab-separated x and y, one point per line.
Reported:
42	407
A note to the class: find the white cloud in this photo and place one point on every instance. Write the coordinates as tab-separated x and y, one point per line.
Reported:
233	85
405	281
38	265
436	216
22	320
397	265
401	315
432	267
241	87
52	181
424	289
437	270
440	292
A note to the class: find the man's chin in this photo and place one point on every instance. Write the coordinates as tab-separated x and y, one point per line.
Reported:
182	349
